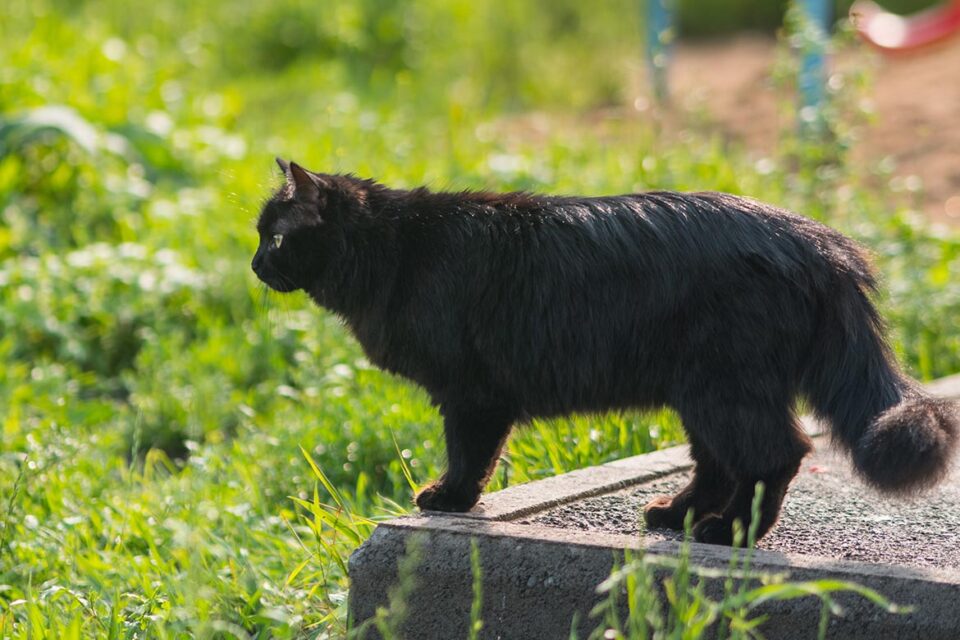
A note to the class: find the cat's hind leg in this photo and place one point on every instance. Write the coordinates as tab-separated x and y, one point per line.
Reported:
760	449
474	440
708	492
718	529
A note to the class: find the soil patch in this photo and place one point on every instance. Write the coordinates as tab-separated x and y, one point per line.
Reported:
916	98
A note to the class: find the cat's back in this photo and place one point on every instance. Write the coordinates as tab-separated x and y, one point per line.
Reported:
695	228
649	237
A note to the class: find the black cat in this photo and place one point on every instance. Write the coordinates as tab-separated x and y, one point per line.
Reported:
510	306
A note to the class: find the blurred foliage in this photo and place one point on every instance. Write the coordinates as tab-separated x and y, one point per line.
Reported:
155	397
706	18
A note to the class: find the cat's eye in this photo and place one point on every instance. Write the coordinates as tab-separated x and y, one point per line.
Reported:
277	240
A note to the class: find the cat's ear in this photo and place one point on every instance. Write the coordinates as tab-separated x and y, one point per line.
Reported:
306	185
283	164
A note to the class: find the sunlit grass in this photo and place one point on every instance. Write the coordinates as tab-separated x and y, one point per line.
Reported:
185	455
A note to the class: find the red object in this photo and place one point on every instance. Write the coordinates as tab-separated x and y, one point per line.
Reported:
891	32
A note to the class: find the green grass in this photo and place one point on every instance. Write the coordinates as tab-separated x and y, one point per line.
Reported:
183	454
633	606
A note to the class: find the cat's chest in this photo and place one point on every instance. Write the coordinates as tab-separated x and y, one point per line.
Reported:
392	346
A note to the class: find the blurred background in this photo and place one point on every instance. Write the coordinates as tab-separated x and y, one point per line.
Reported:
184	454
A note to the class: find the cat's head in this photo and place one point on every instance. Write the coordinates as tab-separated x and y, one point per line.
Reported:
299	229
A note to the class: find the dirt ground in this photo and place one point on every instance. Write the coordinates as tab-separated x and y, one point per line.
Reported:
916	99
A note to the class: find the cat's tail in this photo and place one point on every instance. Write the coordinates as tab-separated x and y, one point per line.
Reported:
900	438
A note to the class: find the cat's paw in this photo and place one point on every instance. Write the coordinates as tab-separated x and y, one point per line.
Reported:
660	513
438	497
713	530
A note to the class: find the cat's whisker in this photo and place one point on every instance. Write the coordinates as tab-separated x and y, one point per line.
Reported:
262	306
284	279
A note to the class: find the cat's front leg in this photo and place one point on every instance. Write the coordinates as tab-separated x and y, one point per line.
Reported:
443	495
708	492
474	439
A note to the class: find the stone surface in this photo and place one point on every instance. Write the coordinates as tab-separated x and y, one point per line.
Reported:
545	546
827	513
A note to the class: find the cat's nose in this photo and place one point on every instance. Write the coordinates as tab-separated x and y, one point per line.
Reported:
257	261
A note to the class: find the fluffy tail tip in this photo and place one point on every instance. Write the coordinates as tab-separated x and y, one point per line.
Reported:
909	447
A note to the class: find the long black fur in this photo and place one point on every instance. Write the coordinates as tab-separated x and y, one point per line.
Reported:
510	306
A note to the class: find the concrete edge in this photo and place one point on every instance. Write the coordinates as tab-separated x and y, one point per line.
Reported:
948	387
525	499
542	588
705	555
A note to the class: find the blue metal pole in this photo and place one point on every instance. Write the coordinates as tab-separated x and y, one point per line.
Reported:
817	16
659	37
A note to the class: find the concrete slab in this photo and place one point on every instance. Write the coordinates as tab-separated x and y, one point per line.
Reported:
828	513
546	545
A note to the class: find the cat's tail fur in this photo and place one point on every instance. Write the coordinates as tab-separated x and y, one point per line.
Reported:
901	439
